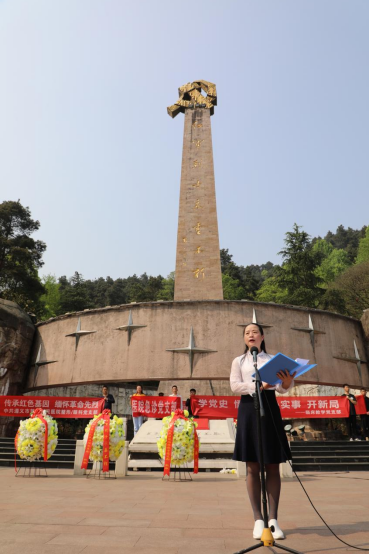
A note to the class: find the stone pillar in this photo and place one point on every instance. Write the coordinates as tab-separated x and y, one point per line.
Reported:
198	274
78	458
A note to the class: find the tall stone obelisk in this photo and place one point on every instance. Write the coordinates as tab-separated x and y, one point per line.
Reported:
198	273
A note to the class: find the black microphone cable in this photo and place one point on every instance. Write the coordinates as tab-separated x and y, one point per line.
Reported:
302	486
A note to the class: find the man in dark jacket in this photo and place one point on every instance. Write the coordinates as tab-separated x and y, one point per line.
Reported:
109	399
351	420
365	417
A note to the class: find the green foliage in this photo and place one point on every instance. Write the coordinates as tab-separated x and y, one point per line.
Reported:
232	290
74	294
297	276
346	239
272	291
334	262
349	294
51	299
363	249
247	278
167	291
20	256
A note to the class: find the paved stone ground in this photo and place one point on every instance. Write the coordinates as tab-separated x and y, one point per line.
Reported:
144	515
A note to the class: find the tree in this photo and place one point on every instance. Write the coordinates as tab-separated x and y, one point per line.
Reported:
272	291
117	293
346	239
363	249
167	290
334	261
245	278
232	290
51	298
20	256
74	294
298	272
349	294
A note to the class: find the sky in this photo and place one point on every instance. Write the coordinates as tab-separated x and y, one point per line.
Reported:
87	144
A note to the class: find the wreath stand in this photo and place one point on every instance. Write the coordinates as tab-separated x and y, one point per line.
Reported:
97	473
27	471
178	474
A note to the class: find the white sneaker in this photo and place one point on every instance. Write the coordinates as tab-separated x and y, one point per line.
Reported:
276	530
258	529
351	439
358	439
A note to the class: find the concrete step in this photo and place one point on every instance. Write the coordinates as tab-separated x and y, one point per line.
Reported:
330	466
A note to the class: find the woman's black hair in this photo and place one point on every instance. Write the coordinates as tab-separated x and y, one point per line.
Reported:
262	346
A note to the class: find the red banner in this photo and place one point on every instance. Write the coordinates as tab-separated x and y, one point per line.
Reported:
155	406
56	406
215	407
360	406
306	407
292	407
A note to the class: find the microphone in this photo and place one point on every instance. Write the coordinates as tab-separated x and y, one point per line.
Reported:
254	351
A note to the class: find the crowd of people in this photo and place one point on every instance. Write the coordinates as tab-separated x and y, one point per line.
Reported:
137	417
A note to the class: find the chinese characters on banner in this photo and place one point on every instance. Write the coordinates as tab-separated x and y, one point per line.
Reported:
305	407
56	406
300	407
155	406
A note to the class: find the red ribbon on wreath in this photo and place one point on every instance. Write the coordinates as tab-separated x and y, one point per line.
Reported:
15	452
86	456
39	413
178	414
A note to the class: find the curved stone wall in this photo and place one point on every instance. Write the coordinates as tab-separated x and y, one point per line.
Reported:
101	353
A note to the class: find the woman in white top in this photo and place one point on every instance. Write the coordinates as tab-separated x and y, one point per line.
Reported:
275	444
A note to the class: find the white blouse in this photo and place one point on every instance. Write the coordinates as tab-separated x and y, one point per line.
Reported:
241	378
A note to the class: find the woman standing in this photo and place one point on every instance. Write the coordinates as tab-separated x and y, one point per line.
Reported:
137	417
275	444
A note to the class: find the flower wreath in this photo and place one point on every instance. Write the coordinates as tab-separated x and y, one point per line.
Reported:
37	436
103	439
178	443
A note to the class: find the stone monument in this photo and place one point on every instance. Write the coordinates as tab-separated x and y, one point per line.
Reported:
198	272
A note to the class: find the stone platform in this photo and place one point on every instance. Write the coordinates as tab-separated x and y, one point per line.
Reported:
141	514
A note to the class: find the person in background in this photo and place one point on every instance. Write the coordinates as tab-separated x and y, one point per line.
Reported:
175	393
351	420
188	402
365	417
137	417
161	394
108	399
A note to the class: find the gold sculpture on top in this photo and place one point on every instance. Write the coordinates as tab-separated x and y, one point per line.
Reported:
190	97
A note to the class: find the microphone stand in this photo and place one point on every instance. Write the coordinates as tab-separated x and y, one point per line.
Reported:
266	537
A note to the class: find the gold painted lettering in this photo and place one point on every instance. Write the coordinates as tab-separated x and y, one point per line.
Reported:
198	229
199	273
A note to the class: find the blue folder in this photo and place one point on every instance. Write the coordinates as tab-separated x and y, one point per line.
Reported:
268	373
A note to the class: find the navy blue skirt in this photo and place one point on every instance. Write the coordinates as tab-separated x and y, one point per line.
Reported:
275	444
